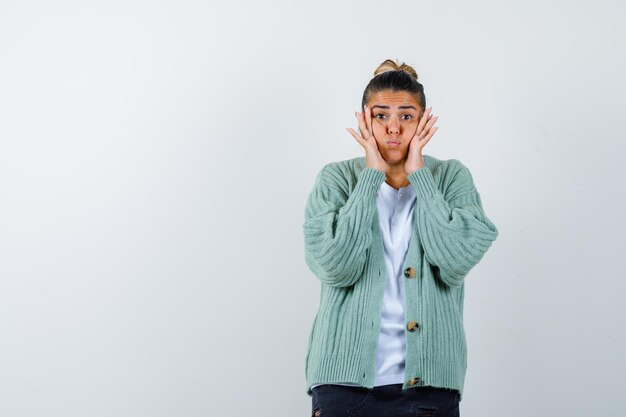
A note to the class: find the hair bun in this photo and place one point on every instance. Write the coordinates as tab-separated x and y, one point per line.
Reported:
389	65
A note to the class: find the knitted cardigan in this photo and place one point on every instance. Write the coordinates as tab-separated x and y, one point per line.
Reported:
343	247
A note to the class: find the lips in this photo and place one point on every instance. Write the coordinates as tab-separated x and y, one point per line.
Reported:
393	143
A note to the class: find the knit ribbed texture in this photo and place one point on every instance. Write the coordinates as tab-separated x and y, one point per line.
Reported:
343	247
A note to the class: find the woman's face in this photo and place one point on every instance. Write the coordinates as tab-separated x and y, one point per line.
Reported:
395	115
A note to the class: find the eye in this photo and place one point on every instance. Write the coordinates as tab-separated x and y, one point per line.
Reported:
380	116
407	117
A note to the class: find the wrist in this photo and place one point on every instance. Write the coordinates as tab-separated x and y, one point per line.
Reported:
414	166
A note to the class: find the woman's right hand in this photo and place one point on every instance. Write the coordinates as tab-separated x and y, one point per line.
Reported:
373	158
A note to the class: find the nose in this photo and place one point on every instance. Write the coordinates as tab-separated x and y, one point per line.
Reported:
394	127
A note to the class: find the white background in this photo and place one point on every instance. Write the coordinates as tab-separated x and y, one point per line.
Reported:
155	159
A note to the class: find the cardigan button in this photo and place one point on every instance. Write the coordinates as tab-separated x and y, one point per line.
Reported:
412	326
415	381
409	272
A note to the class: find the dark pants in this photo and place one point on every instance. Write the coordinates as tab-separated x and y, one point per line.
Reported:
384	401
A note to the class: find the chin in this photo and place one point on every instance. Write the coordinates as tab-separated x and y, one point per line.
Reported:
395	157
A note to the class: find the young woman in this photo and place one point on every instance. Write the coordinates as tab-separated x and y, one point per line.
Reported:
391	236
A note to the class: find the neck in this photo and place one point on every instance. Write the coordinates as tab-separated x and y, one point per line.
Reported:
396	177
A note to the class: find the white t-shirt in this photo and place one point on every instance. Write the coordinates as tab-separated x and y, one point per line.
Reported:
395	215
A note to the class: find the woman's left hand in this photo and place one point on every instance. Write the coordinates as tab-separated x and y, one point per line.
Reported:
424	132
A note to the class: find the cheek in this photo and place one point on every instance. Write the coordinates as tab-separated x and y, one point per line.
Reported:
409	129
379	130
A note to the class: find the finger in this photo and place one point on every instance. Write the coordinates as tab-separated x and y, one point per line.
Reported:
421	134
358	138
423	120
362	126
366	132
428	136
368	113
430	123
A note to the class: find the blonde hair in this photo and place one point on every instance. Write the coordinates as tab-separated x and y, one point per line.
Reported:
391	75
389	65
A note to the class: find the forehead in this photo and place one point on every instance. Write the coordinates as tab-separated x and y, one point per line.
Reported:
393	99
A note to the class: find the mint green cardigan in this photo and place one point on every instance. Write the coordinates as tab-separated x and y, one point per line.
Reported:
343	247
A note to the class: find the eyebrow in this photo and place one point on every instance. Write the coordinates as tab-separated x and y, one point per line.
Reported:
387	107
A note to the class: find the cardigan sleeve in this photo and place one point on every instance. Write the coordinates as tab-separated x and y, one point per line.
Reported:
453	229
337	225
